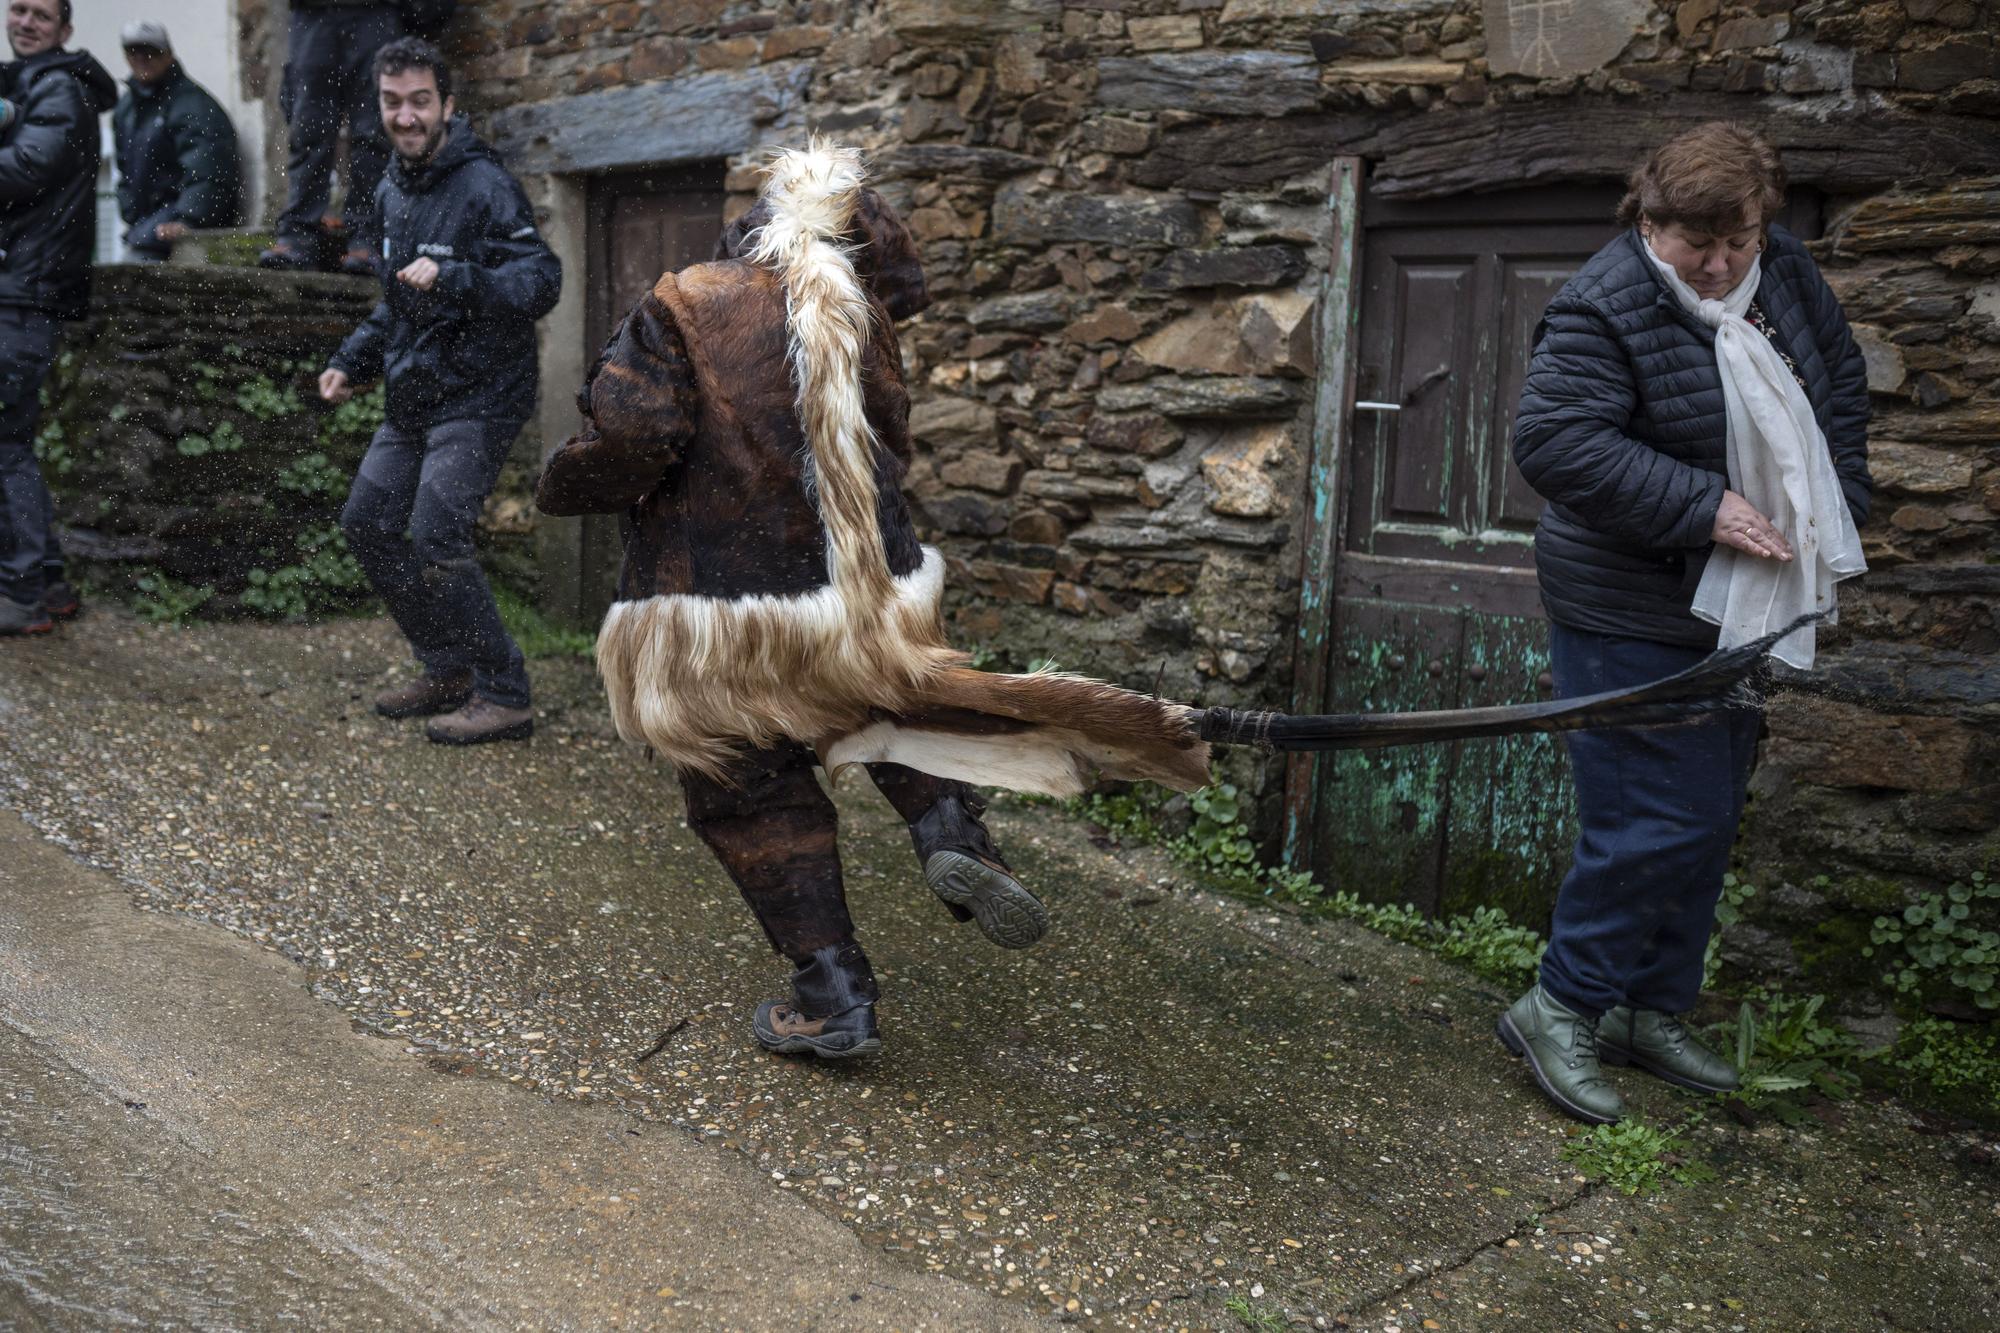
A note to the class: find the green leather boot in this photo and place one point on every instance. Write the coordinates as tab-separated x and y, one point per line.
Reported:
1661	1046
1560	1047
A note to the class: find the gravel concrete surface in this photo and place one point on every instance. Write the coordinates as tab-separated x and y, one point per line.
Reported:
1178	1111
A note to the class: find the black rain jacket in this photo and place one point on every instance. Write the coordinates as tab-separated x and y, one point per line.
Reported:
48	180
176	158
465	349
1622	429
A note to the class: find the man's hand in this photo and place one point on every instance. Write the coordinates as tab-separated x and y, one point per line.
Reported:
421	274
171	231
333	385
1738	524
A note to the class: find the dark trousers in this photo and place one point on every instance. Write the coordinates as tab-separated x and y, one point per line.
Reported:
330	82
433	485
1659	810
30	556
775	830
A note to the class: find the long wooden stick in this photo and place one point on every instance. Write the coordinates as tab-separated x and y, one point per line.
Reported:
1724	679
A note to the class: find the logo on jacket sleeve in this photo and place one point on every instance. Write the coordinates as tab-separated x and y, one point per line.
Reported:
435	251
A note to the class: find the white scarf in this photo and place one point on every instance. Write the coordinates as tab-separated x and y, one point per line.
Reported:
1779	462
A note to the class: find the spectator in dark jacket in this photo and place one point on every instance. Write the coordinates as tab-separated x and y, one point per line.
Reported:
465	275
1626	430
49	103
177	166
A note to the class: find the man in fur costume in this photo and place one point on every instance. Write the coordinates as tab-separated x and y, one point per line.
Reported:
776	611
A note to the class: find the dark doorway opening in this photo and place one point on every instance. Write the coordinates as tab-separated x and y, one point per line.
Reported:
640	224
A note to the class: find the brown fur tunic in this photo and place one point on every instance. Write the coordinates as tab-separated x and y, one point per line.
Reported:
751	419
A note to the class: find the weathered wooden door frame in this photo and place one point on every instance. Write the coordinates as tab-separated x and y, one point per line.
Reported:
1338	331
1329	464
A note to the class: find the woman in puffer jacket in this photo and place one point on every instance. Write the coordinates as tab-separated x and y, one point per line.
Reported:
1695	413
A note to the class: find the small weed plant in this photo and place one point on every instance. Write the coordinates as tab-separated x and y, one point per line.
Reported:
1635	1158
1254	1317
1959	1060
532	630
166	601
1944	945
325	577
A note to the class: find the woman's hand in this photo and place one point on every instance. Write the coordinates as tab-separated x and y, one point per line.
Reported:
1738	524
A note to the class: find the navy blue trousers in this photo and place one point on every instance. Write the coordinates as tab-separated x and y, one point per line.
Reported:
433	484
1659	810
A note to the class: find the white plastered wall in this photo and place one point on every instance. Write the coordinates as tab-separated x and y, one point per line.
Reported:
204	36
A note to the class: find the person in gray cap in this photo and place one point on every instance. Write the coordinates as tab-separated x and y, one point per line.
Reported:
177	160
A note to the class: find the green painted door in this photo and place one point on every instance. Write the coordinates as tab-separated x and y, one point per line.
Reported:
1433	591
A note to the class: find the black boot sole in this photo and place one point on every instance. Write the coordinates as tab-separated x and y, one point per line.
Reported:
1517	1046
424	710
520	731
1616	1055
1007	913
840	1047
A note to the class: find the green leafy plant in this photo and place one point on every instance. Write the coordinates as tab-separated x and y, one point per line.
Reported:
1218	840
223	438
1950	1056
1788	1050
1944	944
207	381
52	446
263	398
1634	1158
532	630
1254	1317
325	577
165	601
313	476
1728	911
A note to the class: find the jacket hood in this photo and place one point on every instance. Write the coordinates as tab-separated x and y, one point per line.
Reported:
460	146
100	90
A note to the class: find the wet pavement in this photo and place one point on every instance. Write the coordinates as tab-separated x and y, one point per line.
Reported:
1175	1104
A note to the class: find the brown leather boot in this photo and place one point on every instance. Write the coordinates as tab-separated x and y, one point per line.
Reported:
479	721
426	696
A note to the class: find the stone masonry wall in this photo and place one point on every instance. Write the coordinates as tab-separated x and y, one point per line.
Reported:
1122	205
192	460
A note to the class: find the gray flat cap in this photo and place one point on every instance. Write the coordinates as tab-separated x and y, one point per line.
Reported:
145	32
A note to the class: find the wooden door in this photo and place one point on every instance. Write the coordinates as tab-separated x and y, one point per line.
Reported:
641	225
1433	601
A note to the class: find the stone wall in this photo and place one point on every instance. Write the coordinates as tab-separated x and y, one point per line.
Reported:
192	460
1123	209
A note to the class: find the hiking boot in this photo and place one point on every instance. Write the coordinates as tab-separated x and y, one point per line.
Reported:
24	618
426	697
1660	1045
964	869
832	1010
479	721
288	255
59	599
358	262
1560	1047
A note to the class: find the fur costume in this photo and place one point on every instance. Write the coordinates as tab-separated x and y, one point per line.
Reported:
750	416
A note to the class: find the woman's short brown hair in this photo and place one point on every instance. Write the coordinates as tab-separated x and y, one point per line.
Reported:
1716	178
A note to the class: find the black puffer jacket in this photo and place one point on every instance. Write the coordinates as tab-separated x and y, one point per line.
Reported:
465	349
1622	430
176	158
48	180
